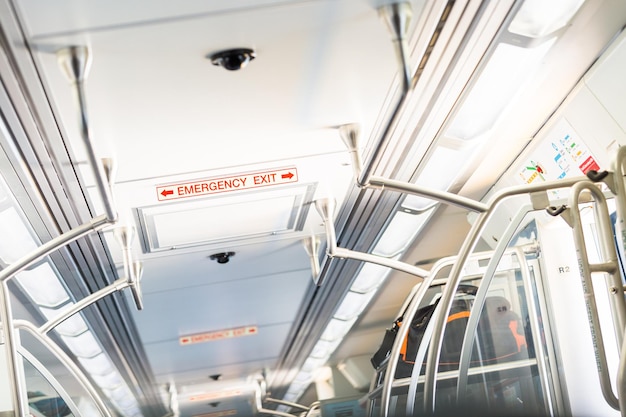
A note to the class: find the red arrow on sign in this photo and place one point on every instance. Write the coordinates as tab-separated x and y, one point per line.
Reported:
237	182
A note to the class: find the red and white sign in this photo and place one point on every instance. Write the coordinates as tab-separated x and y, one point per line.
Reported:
225	184
218	335
215	395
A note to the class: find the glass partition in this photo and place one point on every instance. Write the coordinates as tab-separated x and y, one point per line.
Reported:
503	370
6	404
495	336
52	389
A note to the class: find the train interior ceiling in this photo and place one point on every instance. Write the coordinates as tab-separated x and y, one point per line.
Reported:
233	170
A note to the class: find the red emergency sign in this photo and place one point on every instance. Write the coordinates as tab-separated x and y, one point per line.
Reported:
224	184
218	335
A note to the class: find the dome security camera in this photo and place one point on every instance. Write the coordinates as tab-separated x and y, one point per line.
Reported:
232	59
222	257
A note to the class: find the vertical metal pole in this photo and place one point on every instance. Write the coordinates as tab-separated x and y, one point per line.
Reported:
15	381
394	356
477	306
398	17
621	380
75	62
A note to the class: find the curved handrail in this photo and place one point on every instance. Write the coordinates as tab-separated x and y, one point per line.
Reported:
325	207
51	380
6	316
586	268
314	406
472	324
403	331
621	380
619	168
67	361
619	183
481	294
471	240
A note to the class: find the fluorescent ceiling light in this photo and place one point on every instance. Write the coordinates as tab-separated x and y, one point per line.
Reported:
436	176
43	286
369	277
72	326
311	364
322	349
509	68
109	381
21	242
303	377
84	345
352	305
399	233
124	400
337	329
537	18
98	365
122	396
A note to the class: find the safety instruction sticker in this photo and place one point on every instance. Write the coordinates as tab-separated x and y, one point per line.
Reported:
563	154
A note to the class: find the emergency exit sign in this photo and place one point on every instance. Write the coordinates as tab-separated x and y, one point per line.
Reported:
218	335
224	184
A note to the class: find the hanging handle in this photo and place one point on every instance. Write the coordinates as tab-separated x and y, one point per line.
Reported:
609	265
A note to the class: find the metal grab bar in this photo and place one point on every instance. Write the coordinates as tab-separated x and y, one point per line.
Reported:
442	196
403	332
619	184
621	380
75	62
398	17
450	288
6	315
41	334
480	296
410	308
65	360
325	208
47	375
259	393
472	324
618	167
586	269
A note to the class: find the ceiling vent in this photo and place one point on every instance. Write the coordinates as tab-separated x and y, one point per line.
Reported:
255	214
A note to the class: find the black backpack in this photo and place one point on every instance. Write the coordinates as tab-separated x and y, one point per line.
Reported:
451	348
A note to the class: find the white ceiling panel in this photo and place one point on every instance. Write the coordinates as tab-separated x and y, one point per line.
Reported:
186	102
268	300
163	273
45	18
233	357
